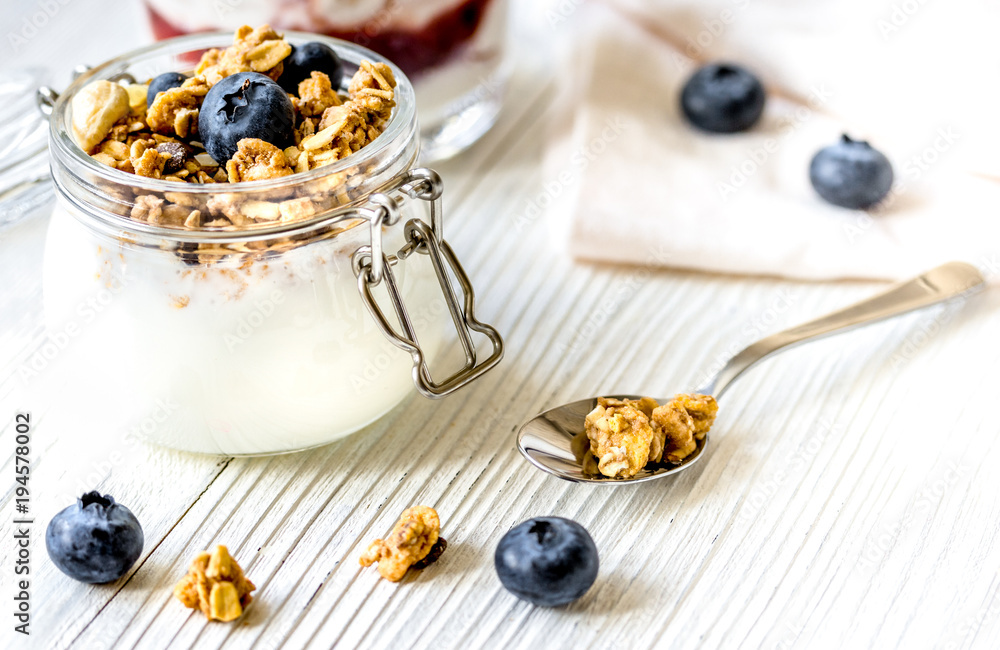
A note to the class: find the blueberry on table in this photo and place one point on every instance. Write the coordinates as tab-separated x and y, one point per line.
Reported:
547	561
95	540
244	105
307	58
723	98
162	82
851	174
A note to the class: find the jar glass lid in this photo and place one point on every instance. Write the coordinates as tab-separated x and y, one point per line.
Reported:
24	169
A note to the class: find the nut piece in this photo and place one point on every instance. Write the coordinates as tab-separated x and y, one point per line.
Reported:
256	160
177	152
411	540
147	208
215	584
137	97
296	209
620	436
96	108
150	163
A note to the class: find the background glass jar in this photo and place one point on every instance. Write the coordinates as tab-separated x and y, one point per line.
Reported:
260	338
453	50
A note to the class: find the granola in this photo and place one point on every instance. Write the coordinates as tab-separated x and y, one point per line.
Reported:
113	124
345	128
621	437
215	584
316	94
175	111
256	160
411	541
253	50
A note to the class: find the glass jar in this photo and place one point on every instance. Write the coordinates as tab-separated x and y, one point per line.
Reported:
455	51
273	337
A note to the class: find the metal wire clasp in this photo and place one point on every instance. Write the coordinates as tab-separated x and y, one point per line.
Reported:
373	267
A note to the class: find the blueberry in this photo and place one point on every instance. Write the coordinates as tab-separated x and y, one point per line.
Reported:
851	174
304	59
723	98
244	105
96	540
162	82
547	561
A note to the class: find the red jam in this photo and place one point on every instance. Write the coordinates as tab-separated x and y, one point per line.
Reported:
412	50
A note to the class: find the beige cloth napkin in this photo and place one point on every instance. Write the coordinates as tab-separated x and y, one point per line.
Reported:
631	182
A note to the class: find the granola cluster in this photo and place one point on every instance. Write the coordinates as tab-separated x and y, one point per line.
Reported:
113	123
341	128
253	50
624	436
215	584
414	542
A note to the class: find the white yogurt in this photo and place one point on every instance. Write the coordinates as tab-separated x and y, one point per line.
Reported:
277	356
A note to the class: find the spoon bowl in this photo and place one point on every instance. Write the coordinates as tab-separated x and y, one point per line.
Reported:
550	442
555	441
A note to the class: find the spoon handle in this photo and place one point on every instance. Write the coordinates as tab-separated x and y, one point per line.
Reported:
937	285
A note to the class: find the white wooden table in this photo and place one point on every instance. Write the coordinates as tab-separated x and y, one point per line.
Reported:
849	498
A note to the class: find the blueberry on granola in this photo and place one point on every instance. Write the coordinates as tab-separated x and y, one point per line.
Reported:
547	561
723	98
851	174
245	105
95	540
162	82
309	58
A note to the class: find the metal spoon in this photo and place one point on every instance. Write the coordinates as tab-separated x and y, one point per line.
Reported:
547	439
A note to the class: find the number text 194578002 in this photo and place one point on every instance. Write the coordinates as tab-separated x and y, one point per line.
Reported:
22	523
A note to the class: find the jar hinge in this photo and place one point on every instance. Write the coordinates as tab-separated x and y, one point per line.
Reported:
373	267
